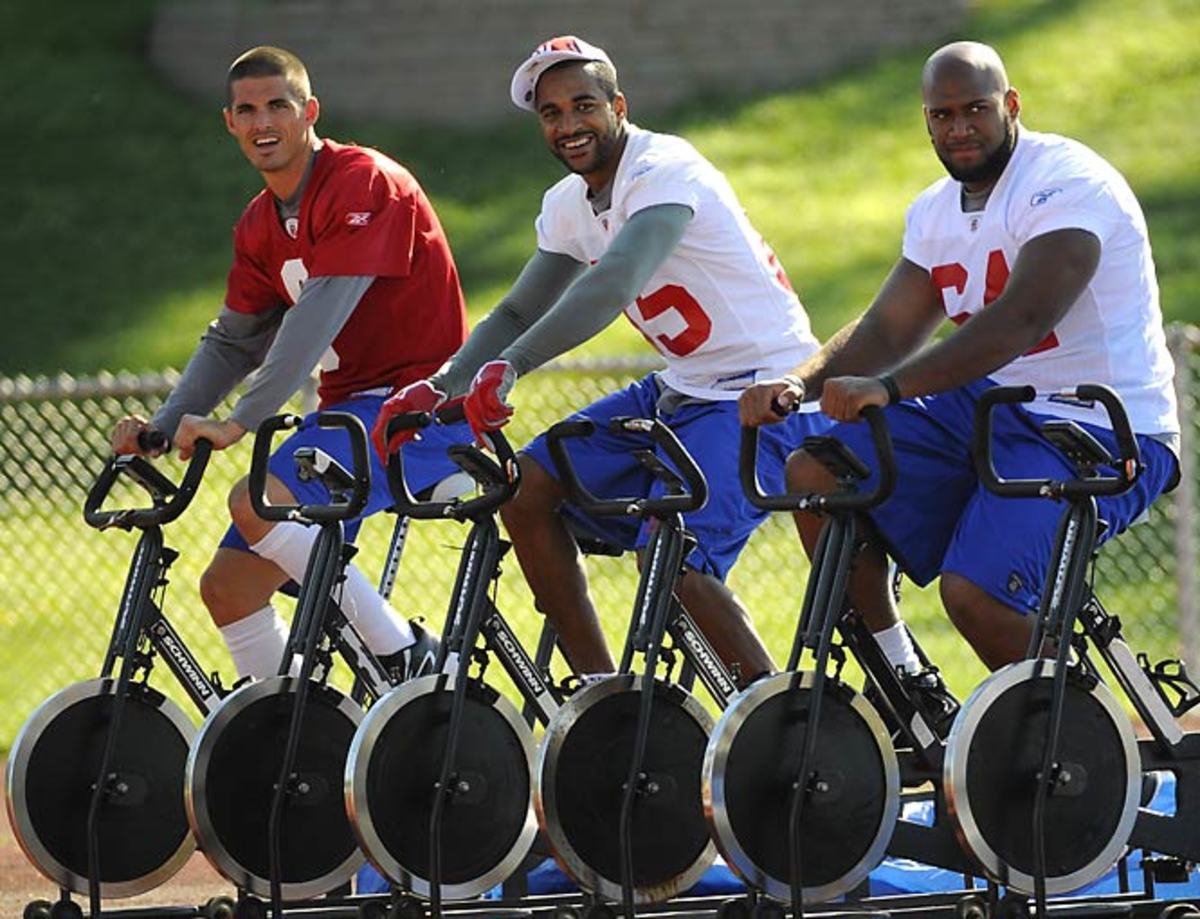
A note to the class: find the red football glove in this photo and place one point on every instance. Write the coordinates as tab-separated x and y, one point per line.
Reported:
420	396
485	405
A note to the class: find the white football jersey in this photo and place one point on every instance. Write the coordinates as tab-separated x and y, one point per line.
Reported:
719	308
1113	333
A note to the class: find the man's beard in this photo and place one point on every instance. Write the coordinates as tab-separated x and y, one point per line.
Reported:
608	146
990	169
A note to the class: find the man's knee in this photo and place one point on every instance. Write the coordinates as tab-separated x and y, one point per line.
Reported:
805	476
966	603
218	591
539	496
241	511
237	583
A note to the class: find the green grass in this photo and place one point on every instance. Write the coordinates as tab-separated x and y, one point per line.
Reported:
121	193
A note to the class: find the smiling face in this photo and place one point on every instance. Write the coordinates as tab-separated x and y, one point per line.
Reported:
971	114
582	126
273	128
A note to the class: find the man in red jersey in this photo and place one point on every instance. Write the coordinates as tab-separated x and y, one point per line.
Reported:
340	261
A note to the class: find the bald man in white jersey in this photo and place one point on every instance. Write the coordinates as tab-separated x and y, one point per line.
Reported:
1037	248
646	226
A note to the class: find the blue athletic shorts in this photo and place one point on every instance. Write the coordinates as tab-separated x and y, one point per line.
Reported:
941	519
425	461
710	432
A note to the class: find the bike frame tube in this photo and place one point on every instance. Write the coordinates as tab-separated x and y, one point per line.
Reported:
480	556
319	579
664	560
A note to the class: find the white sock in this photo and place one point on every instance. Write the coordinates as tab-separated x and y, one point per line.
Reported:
256	643
384	630
897	647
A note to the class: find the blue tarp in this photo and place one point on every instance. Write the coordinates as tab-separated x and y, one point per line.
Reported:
894	876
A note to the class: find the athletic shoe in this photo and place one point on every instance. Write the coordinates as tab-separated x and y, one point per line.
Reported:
416	660
928	694
932	699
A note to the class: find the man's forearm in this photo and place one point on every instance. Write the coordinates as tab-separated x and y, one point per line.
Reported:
899	321
586	309
541	282
306	333
491	335
217	365
599	296
984	344
856	349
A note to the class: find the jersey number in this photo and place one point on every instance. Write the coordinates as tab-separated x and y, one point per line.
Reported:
294	273
955	275
671	298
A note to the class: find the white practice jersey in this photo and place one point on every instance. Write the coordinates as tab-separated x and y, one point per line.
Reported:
720	308
1113	333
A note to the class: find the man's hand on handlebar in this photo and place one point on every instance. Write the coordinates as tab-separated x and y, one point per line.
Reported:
485	405
421	396
769	402
844	398
128	437
193	427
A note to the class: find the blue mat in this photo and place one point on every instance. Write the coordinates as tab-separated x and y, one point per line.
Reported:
893	877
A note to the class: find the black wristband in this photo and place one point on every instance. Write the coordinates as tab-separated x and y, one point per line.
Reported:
893	391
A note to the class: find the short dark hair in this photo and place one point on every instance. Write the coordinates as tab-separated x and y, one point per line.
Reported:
268	61
602	72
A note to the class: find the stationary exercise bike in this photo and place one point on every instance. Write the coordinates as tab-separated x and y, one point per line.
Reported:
264	774
439	778
804	782
96	775
618	771
1043	770
800	778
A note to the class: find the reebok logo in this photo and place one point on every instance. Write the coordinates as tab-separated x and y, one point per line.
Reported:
358	218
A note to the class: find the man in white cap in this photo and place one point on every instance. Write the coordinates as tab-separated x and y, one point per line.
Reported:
646	226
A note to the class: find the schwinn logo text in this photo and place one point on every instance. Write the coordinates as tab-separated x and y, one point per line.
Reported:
515	655
468	577
1060	576
168	643
645	612
703	659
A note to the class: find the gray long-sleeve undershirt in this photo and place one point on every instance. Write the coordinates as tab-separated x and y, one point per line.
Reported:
545	314
283	344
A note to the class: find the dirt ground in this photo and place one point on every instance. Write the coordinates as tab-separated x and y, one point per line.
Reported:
20	882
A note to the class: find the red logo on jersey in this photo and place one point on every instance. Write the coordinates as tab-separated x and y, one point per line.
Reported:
674	299
358	218
955	275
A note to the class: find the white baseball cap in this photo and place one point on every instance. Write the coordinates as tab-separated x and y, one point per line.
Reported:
546	55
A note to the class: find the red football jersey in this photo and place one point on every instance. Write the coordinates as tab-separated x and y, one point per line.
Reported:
361	214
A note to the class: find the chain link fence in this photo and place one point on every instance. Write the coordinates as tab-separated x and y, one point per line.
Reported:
60	582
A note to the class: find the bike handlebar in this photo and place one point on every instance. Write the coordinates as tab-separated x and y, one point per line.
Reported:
169	500
316	513
152	439
846	499
693	497
498	479
1128	463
